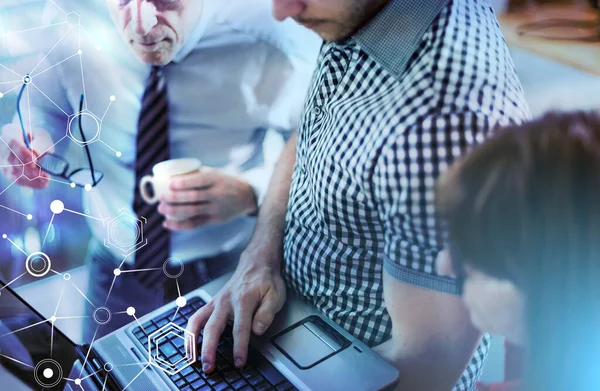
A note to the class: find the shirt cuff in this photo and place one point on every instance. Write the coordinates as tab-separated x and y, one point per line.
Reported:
258	178
422	279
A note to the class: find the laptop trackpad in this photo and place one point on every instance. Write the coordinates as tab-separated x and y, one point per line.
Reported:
309	342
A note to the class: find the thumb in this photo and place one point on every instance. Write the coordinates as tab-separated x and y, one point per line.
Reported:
270	305
41	141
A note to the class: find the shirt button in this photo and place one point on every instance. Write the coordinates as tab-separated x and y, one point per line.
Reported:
317	110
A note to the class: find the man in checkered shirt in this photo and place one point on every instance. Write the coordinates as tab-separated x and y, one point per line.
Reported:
402	88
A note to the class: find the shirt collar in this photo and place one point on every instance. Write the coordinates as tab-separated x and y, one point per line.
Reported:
395	33
209	12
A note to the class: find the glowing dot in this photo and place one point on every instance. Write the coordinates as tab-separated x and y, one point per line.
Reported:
67	276
113	98
57	207
130	311
48	373
3	236
88	187
181	301
1	95
117	272
73	185
53	319
79	51
119	154
29	216
78	381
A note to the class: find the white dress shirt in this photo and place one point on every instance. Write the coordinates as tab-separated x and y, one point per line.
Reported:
240	71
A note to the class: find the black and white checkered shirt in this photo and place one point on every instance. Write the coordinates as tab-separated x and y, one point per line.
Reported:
388	110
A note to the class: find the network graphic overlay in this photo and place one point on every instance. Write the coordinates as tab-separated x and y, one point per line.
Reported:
27	81
48	372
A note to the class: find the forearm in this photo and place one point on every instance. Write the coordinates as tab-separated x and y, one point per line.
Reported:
432	337
270	225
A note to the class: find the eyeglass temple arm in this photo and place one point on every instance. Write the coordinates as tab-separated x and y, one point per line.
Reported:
25	135
87	150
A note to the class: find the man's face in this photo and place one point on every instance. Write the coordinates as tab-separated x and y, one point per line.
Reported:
333	20
155	30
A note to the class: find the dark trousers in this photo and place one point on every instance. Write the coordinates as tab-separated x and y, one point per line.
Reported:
127	291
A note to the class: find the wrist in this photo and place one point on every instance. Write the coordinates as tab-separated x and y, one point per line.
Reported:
262	255
251	208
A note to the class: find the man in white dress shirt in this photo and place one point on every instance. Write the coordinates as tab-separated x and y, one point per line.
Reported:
232	73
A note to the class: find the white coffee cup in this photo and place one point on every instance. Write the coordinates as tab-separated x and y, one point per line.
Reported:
162	174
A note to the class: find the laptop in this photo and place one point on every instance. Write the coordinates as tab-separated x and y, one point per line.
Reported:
302	350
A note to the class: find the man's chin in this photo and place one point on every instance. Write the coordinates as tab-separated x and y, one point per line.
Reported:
331	35
158	58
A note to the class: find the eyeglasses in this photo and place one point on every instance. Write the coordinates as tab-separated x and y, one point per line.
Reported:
58	166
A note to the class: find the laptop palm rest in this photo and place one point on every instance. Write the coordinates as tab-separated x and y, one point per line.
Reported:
321	339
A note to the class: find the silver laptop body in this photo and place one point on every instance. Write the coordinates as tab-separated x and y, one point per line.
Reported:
311	351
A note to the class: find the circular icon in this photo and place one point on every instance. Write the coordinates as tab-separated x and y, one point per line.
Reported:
38	264
102	315
108	367
181	301
48	373
90	126
173	267
57	207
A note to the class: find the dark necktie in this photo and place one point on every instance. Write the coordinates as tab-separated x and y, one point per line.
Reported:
152	147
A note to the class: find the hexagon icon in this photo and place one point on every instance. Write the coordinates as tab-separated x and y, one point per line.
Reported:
163	336
125	233
72	19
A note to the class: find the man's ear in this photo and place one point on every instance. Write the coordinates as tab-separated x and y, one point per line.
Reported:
443	264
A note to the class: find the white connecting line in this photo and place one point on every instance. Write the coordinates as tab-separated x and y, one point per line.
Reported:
178	295
15	360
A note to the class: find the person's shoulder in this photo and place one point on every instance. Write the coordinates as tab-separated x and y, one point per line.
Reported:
255	17
465	68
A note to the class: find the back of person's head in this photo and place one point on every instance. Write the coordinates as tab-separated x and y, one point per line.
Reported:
525	207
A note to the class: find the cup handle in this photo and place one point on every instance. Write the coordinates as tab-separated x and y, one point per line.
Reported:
144	182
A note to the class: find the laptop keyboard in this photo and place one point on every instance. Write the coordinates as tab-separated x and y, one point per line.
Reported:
258	375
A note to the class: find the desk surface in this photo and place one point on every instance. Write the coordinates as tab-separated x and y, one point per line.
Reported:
581	55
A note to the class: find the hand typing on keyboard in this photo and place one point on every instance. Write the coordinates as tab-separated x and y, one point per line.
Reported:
258	375
251	298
